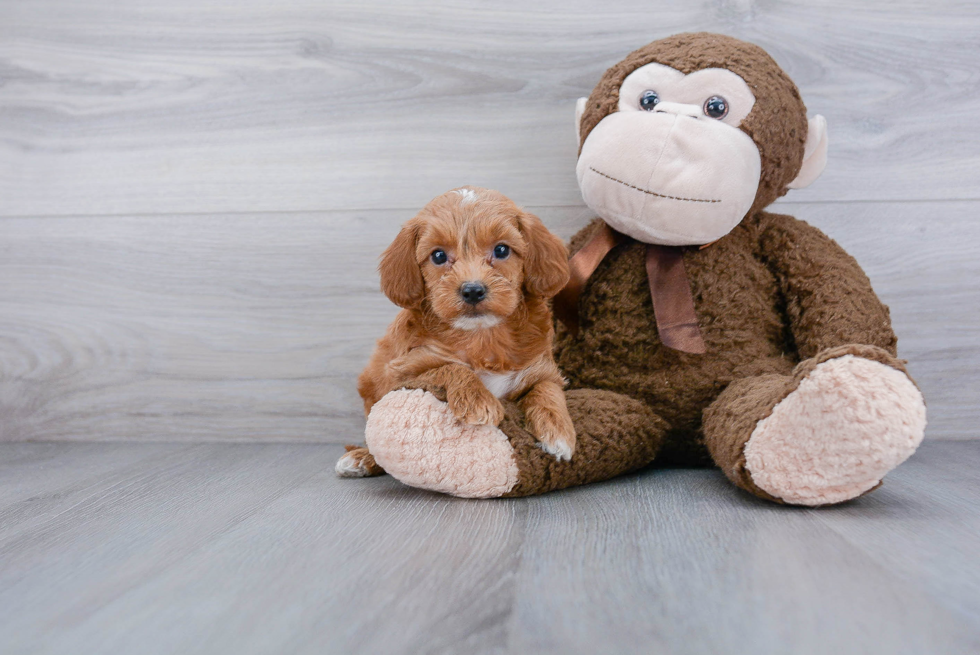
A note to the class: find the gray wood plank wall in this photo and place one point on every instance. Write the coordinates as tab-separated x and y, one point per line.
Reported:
193	194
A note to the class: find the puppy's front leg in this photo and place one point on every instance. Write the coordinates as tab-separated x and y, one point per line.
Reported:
547	417
467	397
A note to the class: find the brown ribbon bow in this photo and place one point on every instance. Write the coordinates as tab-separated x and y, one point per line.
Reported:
673	305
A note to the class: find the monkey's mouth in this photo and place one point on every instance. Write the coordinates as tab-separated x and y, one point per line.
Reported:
648	192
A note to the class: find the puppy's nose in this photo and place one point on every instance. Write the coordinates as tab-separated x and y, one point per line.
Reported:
472	292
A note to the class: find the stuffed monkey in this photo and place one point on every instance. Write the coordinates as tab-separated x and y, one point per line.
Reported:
697	327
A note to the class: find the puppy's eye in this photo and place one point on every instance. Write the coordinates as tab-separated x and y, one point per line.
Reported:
501	251
439	257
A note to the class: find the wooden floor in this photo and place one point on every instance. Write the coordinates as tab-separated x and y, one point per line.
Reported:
258	548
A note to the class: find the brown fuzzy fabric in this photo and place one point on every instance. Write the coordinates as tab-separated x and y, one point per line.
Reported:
777	123
614	434
772	292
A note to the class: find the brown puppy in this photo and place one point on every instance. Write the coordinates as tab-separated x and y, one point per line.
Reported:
474	274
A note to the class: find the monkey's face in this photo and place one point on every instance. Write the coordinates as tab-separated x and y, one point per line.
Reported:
670	166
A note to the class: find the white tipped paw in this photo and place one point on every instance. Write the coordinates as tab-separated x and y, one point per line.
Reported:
349	466
357	463
561	448
553	428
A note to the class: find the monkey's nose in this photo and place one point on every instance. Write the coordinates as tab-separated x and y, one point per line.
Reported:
472	292
679	109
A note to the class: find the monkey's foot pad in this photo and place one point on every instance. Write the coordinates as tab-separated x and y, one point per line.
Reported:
851	421
417	439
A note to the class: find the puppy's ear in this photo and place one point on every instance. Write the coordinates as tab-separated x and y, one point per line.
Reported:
546	260
401	277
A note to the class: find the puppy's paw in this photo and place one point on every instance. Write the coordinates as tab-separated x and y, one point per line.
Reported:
555	434
475	405
357	462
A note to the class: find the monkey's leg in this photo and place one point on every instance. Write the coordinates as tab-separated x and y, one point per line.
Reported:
823	435
419	441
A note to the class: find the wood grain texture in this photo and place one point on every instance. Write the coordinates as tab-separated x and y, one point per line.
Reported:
209	106
193	194
220	548
250	327
187	327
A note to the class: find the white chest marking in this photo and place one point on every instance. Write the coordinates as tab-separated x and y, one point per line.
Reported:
501	384
476	322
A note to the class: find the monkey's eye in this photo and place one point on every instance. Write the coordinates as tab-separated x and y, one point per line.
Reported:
649	100
715	107
501	251
438	257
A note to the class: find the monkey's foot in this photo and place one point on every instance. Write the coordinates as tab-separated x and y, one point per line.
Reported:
419	441
846	425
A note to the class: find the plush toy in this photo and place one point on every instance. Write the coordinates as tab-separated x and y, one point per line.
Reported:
697	328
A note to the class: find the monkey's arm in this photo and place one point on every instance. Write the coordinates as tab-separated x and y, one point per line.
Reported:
848	413
829	299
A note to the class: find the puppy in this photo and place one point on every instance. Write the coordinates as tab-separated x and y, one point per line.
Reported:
474	274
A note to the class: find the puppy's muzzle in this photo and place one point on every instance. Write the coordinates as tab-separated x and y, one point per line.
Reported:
472	293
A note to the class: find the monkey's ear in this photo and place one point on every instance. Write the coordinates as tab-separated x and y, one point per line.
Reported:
579	110
546	259
814	153
401	277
